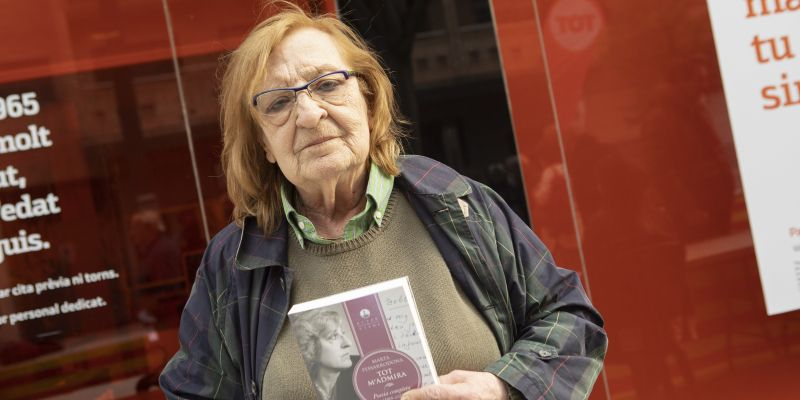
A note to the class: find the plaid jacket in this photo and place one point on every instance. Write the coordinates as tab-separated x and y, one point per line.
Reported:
551	336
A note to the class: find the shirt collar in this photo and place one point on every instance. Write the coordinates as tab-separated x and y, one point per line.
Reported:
378	191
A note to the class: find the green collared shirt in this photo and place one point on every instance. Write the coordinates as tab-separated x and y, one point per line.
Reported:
379	187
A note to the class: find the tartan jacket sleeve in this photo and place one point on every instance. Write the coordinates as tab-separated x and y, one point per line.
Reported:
559	342
202	368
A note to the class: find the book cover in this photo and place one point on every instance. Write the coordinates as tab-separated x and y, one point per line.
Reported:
366	343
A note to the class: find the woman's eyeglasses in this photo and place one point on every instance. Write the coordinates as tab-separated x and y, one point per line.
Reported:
277	104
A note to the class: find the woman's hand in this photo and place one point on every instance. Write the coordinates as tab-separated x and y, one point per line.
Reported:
466	385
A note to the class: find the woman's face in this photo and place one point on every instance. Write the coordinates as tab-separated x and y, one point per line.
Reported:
319	141
334	350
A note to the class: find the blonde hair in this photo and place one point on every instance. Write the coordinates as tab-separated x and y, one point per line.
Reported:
253	182
309	328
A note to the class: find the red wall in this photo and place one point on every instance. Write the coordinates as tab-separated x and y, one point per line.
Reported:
631	178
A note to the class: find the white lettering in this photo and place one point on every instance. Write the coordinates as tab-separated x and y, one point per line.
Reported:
29	207
37	137
9	178
20	244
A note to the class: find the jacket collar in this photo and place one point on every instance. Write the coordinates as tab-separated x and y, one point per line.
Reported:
419	175
424	176
257	250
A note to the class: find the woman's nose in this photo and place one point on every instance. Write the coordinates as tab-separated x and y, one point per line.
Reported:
309	112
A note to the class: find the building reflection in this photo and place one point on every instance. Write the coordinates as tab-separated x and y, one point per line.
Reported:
443	59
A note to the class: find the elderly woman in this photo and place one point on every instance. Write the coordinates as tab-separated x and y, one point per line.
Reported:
324	203
326	350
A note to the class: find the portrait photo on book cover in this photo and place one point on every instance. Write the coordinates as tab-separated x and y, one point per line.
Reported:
329	351
365	343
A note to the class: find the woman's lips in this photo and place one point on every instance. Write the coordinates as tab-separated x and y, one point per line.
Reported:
319	141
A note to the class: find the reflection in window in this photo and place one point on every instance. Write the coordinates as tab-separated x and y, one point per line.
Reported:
443	59
125	239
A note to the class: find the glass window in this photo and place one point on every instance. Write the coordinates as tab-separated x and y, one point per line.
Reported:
449	84
101	223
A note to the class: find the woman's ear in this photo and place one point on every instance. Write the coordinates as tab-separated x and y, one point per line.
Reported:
269	155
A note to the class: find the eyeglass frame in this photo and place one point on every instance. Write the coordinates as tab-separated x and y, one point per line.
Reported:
346	72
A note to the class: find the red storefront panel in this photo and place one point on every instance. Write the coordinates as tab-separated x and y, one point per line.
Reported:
106	229
643	143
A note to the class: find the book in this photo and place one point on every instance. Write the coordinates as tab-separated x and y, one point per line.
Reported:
369	341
